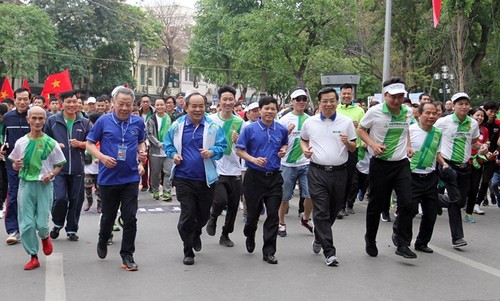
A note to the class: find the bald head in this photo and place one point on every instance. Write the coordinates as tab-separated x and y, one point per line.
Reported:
36	110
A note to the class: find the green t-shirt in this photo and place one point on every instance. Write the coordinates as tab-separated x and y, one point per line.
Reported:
69	126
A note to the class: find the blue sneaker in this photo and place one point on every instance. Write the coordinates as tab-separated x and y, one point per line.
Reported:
361	196
469	219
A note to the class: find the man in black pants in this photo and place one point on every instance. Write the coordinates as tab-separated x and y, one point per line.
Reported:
326	139
262	144
194	142
389	143
228	188
121	136
425	141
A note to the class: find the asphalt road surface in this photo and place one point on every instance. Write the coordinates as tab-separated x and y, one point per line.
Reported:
74	272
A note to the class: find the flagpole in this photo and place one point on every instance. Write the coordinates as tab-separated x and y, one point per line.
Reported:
387	41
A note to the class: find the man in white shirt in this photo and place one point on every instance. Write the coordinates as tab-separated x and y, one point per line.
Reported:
460	136
389	144
294	165
228	188
326	139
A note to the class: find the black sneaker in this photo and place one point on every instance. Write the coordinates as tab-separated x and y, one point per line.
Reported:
341	214
197	244
405	252
385	216
459	243
73	237
55	232
102	249
129	264
226	241
211	226
250	244
371	247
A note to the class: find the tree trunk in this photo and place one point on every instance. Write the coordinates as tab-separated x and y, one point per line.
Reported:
263	80
481	53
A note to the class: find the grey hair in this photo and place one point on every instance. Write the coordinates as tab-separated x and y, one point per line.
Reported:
122	90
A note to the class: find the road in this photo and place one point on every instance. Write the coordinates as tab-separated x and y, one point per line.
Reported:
74	272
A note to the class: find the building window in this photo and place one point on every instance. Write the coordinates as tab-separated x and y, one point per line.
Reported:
150	76
159	76
143	75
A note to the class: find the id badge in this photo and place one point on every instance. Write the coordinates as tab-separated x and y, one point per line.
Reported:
122	153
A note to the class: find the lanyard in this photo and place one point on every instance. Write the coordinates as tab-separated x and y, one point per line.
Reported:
124	131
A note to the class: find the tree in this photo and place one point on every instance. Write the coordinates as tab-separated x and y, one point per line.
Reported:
174	35
214	48
26	38
113	68
84	26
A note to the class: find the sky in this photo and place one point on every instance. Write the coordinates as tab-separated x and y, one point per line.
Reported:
188	3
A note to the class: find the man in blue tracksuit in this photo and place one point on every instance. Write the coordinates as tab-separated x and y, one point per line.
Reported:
70	130
15	126
194	142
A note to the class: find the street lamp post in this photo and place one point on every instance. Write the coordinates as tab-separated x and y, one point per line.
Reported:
445	77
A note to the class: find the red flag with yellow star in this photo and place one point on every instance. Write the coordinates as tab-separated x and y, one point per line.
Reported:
6	90
57	83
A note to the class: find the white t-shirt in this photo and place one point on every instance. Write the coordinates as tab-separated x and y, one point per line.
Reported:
426	145
229	164
387	129
92	168
456	144
39	155
159	120
294	155
324	138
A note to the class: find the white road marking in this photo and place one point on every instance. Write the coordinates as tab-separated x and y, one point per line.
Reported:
472	263
55	289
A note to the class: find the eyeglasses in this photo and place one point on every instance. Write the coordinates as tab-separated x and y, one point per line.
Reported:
301	98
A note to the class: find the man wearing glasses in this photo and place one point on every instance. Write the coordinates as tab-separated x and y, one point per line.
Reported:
294	165
355	113
326	139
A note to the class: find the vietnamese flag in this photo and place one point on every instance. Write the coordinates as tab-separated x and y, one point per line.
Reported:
56	83
6	90
436	11
26	85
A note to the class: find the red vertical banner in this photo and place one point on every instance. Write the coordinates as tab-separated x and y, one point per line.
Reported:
26	85
436	11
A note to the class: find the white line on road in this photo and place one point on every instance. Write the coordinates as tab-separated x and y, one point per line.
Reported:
55	289
467	261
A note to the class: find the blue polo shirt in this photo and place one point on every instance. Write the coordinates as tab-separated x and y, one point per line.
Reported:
112	133
258	140
191	167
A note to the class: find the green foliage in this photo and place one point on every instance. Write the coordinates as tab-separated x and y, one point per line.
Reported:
88	29
26	36
112	69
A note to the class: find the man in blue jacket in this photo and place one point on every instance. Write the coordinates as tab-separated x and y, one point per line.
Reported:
194	142
15	126
70	130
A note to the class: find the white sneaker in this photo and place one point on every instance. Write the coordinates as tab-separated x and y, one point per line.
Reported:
1	214
13	238
331	261
477	210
